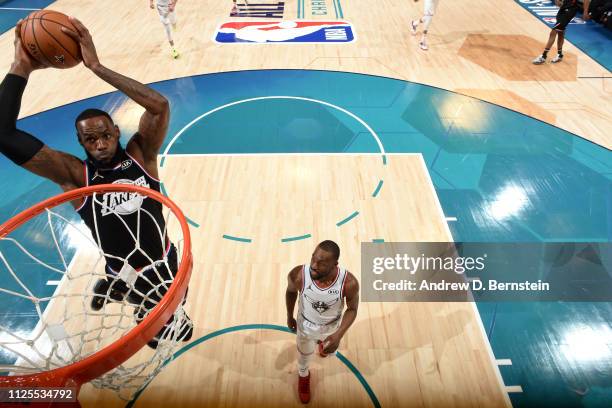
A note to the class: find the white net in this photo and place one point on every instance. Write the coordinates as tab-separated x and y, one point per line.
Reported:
55	312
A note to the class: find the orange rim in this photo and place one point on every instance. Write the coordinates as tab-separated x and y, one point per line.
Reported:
74	375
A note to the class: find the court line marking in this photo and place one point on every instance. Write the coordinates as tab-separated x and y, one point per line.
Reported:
238	239
19	9
451	218
378	187
163	189
170	155
514	388
192	222
347	219
261	98
290	239
340	9
53	282
492	358
504	362
217	333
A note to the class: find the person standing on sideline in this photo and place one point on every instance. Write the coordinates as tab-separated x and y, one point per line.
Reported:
567	11
429	9
167	15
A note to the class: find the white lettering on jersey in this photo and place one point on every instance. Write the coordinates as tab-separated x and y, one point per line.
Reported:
123	203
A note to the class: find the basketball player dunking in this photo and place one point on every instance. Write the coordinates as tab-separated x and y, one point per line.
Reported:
167	16
323	287
429	8
107	162
567	11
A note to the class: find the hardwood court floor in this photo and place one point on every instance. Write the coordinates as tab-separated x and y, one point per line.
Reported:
411	354
477	47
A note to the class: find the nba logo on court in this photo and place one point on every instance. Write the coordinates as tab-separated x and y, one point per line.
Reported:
285	32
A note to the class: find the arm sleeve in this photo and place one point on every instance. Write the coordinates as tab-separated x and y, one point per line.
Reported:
15	144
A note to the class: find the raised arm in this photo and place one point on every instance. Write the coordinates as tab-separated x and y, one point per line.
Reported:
154	121
294	283
22	148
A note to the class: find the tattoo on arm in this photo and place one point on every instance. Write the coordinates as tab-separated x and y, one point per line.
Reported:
59	167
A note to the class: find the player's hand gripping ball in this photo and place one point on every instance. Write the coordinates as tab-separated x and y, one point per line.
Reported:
42	37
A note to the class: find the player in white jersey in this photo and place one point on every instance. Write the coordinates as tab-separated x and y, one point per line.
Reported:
323	287
167	15
429	9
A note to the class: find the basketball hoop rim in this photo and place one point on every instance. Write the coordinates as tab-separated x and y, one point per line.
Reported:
102	361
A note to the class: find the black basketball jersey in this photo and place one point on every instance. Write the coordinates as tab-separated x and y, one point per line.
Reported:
116	221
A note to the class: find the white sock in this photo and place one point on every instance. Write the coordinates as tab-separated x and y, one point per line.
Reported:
303	363
168	32
427	21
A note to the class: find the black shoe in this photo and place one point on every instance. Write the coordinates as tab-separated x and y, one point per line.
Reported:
100	288
116	293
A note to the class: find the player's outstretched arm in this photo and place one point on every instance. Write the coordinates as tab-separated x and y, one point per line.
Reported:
21	147
153	123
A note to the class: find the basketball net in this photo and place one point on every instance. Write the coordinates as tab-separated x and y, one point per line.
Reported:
39	283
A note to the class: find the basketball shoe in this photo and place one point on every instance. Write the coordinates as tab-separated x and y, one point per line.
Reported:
423	44
304	388
558	58
104	292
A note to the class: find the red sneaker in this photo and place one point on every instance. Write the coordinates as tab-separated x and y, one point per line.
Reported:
304	388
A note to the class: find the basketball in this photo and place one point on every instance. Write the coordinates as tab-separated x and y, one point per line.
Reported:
42	37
